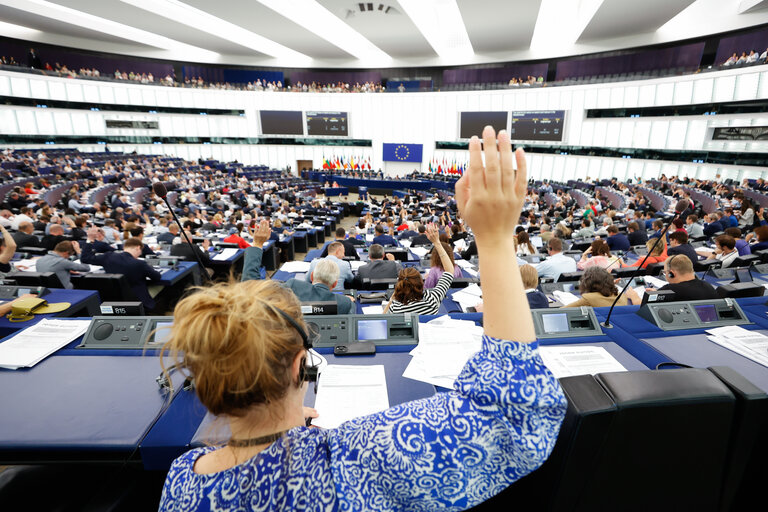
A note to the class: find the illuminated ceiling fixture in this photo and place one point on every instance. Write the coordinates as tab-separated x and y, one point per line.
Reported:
441	24
561	22
18	31
315	18
84	20
205	22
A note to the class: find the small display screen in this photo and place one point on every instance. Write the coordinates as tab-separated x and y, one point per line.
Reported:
23	291
539	125
327	123
555	322
162	332
372	330
706	313
569	287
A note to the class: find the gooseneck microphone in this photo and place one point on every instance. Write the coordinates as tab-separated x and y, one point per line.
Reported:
682	209
160	191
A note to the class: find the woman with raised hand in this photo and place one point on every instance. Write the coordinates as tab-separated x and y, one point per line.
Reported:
245	347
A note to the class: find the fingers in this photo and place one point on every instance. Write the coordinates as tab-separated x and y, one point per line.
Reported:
521	180
476	178
507	170
492	167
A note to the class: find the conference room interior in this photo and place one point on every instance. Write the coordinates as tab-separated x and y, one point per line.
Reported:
151	151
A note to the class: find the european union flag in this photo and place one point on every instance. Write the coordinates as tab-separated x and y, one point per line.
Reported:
402	152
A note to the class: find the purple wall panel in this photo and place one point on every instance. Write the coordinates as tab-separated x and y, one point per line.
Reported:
486	75
332	77
688	56
757	41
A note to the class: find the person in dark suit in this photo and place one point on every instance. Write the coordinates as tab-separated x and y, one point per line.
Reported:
635	235
128	264
183	250
678	244
324	278
536	298
714	225
349	247
421	238
616	241
24	237
54	236
378	267
381	238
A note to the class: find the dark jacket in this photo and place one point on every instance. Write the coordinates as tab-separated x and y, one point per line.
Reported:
307	292
183	250
252	264
537	300
618	242
135	271
51	241
25	240
637	237
349	249
686	249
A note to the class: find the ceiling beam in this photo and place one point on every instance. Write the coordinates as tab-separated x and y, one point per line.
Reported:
441	24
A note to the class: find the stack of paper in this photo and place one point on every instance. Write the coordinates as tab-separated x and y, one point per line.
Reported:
375	309
750	344
225	254
357	264
564	297
296	266
419	251
570	360
405	243
444	347
37	342
345	392
26	265
654	282
464	264
468	297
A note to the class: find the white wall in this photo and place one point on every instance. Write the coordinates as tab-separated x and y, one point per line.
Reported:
414	118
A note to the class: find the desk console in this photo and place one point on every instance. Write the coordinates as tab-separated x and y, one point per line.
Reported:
10	292
565	322
126	332
695	314
381	329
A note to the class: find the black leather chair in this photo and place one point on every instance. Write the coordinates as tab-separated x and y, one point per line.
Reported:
570	276
46	279
111	287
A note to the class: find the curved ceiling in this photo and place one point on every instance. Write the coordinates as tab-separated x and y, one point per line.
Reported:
352	34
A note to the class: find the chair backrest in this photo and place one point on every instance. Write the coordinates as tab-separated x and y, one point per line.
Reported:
46	279
570	276
377	284
111	287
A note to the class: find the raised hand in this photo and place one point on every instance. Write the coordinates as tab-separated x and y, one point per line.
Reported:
433	234
261	233
491	197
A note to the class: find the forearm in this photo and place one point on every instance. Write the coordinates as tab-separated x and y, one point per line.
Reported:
503	293
444	258
9	247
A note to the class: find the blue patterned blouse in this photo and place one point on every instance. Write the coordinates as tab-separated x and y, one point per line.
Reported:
447	452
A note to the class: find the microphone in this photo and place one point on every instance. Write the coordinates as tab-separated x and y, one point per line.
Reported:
680	208
162	192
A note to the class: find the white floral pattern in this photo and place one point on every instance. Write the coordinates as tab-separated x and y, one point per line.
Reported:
447	452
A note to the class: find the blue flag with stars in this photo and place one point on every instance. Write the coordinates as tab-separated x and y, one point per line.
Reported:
402	152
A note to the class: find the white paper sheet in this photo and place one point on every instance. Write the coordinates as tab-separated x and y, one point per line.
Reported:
226	254
296	266
750	344
419	251
32	345
345	392
570	360
375	309
357	264
564	297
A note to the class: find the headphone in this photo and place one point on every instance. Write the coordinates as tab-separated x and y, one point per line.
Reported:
307	372
669	265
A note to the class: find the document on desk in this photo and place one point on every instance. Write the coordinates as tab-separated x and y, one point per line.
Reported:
419	251
750	344
444	347
357	264
32	345
564	298
296	266
374	310
570	360
225	254
345	392
468	297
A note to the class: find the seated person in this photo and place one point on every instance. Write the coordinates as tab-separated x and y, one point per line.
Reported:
678	244
421	238
58	262
599	255
235	238
335	254
349	247
635	234
54	237
24	237
557	262
692	226
524	245
742	246
254	253
713	226
184	251
587	229
381	238
657	252
616	241
138	233
761	235
168	236
598	289
7	250
536	298
410	295
725	251
436	266
682	280
324	278
127	263
378	267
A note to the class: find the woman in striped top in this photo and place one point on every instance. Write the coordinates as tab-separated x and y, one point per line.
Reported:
410	295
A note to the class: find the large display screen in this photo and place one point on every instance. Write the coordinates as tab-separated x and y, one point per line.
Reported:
472	123
555	322
281	122
327	123
538	125
371	330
